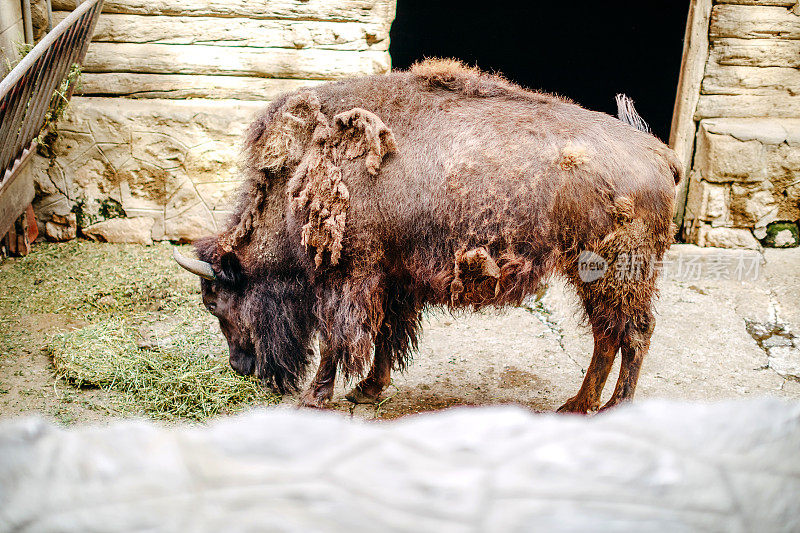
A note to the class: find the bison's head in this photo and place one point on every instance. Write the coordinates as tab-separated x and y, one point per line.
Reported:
265	316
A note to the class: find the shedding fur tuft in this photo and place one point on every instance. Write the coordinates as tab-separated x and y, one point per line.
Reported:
324	196
476	278
285	140
453	75
269	148
573	156
627	113
623	210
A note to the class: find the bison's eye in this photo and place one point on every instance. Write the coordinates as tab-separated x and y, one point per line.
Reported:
212	307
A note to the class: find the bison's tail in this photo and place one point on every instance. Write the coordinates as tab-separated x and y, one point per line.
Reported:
627	114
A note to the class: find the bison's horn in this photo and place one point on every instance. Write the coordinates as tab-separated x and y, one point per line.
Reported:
195	266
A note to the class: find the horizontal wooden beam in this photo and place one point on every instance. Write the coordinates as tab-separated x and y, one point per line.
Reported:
341	10
178	86
753	22
115	28
215	60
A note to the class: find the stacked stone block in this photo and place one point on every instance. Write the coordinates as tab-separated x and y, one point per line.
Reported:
745	174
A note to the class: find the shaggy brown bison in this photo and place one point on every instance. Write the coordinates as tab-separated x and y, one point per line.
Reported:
368	199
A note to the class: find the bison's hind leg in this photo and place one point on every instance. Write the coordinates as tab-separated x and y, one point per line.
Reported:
606	344
619	308
395	340
626	331
635	344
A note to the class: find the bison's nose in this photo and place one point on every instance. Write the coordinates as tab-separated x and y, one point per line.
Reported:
242	363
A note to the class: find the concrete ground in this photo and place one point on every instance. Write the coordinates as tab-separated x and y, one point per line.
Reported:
715	338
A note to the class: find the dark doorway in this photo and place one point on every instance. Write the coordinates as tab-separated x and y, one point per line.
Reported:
586	50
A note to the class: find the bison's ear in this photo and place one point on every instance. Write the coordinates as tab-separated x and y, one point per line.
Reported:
359	131
284	139
230	270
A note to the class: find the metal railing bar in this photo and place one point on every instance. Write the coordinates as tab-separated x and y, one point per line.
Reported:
23	107
40	49
34	82
27	21
49	8
62	69
94	16
12	123
42	70
15	101
11	107
63	62
28	90
56	72
31	106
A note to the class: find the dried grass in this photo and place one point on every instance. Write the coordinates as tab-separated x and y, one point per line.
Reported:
171	382
121	294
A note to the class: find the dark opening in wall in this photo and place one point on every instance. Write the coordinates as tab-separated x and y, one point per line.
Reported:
586	50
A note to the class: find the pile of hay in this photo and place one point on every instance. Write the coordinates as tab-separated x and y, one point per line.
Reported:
177	381
92	305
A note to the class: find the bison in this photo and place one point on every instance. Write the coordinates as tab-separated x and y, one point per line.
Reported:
366	200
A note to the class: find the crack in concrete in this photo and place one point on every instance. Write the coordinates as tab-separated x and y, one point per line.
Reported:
771	334
537	307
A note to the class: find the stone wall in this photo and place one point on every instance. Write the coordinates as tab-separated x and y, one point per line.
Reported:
149	147
745	176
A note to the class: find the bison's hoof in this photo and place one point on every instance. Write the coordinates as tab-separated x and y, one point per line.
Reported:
613	402
312	404
577	406
358	396
309	400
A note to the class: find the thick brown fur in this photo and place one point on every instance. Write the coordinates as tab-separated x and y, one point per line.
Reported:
448	186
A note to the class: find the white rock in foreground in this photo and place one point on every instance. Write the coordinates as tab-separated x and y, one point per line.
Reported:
655	466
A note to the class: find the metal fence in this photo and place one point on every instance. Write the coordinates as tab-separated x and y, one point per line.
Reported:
26	92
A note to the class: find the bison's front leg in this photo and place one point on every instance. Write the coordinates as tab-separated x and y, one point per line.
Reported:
379	377
320	391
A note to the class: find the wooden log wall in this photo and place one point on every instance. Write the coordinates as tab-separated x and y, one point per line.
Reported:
237	49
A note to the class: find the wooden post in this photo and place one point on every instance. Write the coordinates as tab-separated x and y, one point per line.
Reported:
30	221
693	64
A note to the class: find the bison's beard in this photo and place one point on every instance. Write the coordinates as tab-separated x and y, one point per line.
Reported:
282	325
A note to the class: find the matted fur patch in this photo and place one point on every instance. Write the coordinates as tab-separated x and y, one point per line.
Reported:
323	194
289	132
476	278
300	134
282	142
360	132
